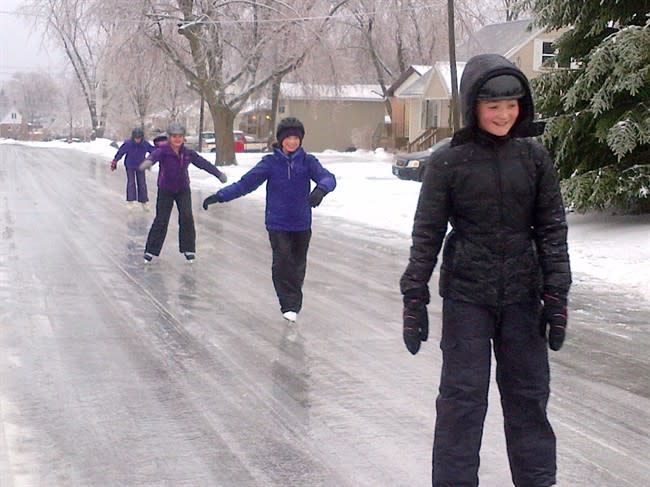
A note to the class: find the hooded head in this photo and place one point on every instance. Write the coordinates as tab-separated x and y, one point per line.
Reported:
137	133
493	77
289	126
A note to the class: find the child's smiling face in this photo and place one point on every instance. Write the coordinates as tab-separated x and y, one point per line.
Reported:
497	116
290	144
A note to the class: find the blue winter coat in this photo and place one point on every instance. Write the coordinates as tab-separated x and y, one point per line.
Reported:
135	153
288	181
173	174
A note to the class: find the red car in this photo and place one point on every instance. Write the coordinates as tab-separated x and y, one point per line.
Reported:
240	140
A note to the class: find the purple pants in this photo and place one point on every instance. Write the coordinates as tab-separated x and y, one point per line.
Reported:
136	185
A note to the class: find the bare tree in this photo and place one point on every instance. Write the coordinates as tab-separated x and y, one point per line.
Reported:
36	95
69	119
229	49
83	33
389	35
141	72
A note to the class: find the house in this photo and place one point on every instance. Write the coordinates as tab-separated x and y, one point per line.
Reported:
11	121
335	117
528	47
427	98
397	134
427	106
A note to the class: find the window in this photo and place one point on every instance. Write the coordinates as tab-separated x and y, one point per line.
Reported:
545	52
548	53
430	114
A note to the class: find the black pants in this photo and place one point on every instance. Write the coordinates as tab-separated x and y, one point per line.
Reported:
186	233
289	266
523	380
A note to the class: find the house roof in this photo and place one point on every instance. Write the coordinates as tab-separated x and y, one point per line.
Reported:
502	38
407	77
441	69
417	87
299	91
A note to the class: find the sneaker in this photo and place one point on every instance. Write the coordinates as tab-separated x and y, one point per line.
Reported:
291	316
145	206
190	256
130	205
148	258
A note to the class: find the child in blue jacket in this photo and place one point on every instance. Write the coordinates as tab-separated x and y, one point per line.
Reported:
135	149
288	173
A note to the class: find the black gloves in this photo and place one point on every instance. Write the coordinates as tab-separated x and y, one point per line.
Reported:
215	198
316	196
554	318
416	321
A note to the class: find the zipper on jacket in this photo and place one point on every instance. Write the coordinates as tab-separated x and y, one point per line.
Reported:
500	290
289	164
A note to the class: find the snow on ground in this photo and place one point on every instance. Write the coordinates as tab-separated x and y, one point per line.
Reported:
609	250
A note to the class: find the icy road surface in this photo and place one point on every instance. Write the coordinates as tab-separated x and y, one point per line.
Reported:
113	373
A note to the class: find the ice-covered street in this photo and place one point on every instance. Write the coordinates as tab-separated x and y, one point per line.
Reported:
117	373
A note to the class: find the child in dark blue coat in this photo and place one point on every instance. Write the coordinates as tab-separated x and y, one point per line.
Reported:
135	149
288	173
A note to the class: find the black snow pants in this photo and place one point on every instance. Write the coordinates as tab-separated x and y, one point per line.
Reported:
186	233
523	380
289	266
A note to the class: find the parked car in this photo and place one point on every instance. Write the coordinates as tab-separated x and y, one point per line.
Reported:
242	142
411	165
253	144
209	142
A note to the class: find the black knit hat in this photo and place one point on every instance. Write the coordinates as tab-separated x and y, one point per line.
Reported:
502	87
287	127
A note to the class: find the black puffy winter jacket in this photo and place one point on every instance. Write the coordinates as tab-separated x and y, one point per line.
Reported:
501	197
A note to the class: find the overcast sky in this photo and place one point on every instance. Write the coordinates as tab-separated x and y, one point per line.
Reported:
20	48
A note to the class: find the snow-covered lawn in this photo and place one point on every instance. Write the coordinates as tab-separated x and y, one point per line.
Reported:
614	250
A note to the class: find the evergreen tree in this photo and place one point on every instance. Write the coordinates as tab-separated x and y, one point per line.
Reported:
598	112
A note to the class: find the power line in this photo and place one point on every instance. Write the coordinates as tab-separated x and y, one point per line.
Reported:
159	17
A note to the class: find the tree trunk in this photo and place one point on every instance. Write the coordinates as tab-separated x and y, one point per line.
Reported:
275	100
223	119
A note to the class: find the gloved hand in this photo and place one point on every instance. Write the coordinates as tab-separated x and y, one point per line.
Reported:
554	319
144	165
222	177
215	198
316	196
416	323
113	165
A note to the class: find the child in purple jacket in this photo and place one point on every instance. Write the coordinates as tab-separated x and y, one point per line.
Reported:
174	186
135	149
288	173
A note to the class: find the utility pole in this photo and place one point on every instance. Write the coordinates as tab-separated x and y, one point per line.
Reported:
455	111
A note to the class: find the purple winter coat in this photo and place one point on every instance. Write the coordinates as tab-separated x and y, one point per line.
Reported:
135	153
173	175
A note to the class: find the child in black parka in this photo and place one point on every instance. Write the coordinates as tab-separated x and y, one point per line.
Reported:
504	277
